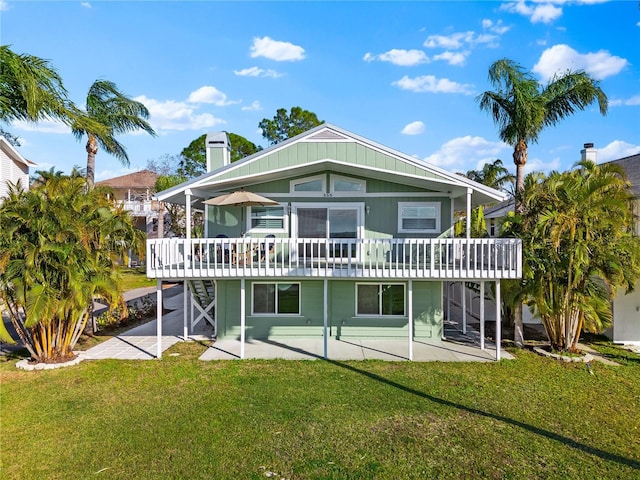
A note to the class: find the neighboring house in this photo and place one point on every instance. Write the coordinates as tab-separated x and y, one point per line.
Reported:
357	245
134	192
626	307
13	167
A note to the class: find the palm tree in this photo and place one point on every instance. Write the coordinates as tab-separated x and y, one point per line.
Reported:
522	108
579	249
494	175
30	88
59	248
115	113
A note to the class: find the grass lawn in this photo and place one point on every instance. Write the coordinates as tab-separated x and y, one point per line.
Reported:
136	278
182	418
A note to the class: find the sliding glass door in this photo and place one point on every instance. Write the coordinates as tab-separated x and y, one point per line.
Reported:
328	221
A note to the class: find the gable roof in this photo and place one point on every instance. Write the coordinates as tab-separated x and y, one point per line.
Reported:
142	179
328	147
12	153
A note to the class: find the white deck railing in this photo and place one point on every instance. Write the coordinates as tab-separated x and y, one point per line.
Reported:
439	258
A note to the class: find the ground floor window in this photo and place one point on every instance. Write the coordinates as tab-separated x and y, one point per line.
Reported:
276	298
380	299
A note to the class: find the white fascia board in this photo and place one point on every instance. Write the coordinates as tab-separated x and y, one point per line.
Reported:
11	151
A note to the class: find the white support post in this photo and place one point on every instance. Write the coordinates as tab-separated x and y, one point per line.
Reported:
325	317
451	221
159	318
469	192
410	314
187	213
464	307
482	315
498	321
448	305
185	305
242	317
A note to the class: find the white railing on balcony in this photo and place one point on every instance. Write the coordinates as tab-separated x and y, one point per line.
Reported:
139	207
439	258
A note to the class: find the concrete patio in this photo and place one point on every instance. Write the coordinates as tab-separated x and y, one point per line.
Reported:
140	343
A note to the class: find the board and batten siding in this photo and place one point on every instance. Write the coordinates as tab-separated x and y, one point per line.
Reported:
381	222
11	171
308	324
308	152
343	322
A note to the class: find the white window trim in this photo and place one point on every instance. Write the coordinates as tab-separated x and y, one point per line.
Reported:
436	205
342	193
285	221
276	314
359	206
379	285
317	193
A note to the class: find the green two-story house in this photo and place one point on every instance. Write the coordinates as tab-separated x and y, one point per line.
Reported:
348	239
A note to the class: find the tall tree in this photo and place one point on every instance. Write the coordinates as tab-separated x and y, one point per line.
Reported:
115	114
286	125
59	248
522	108
494	175
194	156
579	248
32	90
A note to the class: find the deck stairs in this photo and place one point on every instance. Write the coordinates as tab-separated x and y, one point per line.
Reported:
203	300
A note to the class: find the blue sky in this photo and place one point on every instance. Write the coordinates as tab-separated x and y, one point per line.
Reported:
404	74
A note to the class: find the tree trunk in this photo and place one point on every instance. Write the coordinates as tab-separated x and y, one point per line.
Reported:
518	325
520	160
92	149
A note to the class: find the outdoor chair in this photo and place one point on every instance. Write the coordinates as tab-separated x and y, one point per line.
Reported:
222	251
267	247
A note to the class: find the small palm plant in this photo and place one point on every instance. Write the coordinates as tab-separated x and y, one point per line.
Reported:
60	247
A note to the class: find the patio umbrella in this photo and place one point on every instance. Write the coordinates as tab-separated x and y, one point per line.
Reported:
241	198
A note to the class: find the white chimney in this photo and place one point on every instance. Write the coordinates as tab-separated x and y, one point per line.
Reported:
589	153
218	150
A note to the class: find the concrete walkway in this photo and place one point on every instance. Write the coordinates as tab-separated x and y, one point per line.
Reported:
141	342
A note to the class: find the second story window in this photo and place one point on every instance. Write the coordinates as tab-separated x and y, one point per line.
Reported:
268	218
418	217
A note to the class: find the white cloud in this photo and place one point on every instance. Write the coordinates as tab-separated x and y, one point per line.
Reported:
86	4
403	58
453	58
629	102
413	128
209	94
254	107
43	126
495	27
4	6
429	83
172	115
257	72
458	40
538	12
535	164
617	149
560	58
276	50
462	153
